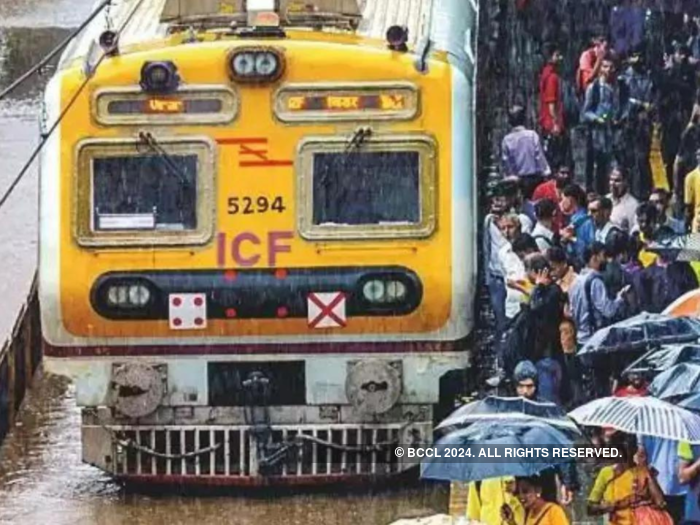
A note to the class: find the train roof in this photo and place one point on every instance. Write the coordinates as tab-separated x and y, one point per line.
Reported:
142	21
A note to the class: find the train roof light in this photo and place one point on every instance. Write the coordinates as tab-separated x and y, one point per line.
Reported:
256	65
396	37
109	42
159	77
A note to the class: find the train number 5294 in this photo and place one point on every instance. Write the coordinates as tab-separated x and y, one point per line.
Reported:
252	205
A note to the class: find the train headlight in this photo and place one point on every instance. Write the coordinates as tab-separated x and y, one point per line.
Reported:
256	65
395	291
139	295
159	77
128	295
385	291
374	291
266	64
244	64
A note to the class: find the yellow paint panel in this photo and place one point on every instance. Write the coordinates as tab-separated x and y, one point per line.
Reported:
256	156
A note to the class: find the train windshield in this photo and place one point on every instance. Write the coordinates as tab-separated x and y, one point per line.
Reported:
147	192
366	188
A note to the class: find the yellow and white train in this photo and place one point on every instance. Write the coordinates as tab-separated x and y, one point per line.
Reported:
258	233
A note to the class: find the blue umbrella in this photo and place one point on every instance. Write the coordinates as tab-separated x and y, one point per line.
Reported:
691	402
661	359
640	332
524	432
509	408
679	380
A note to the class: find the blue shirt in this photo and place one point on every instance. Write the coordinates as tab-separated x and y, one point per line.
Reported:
604	309
663	456
522	154
584	231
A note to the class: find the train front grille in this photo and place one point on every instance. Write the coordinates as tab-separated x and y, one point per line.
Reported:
225	451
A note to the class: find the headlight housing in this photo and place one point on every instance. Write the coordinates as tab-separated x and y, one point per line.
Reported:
384	291
126	295
256	65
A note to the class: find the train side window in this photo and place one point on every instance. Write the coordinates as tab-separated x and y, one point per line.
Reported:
385	188
127	195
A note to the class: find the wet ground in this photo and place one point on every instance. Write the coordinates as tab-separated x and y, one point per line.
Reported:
42	480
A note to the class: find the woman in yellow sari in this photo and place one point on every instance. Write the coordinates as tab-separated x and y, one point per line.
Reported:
627	491
538	511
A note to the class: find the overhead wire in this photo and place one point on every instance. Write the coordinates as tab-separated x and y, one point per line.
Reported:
52	54
45	136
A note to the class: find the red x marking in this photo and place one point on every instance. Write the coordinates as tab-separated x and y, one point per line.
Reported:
327	310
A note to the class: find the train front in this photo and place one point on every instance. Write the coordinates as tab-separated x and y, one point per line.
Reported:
257	254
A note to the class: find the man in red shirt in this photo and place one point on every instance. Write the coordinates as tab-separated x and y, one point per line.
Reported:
635	386
552	190
552	107
590	62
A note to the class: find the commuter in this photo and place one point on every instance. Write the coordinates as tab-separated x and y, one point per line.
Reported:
689	474
522	153
686	159
543	232
637	93
633	385
590	305
661	199
487	497
600	209
624	212
538	511
552	120
647	220
676	98
493	241
628	492
580	232
601	113
665	281
692	197
552	190
562	272
591	60
546	309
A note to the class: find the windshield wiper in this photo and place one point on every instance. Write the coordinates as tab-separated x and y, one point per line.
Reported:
359	138
155	146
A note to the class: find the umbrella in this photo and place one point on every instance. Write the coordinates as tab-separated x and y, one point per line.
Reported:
660	359
645	416
679	248
679	380
691	402
641	331
686	305
524	432
510	408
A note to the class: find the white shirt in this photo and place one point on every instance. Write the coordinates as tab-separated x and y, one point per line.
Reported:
513	270
624	212
542	234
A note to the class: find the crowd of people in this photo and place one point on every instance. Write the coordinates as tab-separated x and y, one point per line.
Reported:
563	260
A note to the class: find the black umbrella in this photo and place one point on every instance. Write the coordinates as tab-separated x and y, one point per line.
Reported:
497	409
640	332
661	359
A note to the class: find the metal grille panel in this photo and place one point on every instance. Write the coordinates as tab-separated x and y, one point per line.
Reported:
321	450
